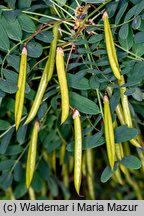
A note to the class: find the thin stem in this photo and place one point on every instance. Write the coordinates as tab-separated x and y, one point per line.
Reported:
90	57
1	135
64	18
131	53
115	25
77	2
99	101
91	123
42	15
41	60
34	18
97	9
62	9
39	30
4	59
71	49
19	158
42	119
68	33
97	15
61	137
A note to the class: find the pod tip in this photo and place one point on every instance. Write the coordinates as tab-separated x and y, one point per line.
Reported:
37	124
63	119
75	113
105	98
24	50
60	50
105	14
17	126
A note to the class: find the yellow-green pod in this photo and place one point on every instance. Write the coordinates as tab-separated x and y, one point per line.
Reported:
89	161
109	132
126	110
31	158
31	193
127	151
62	153
71	164
135	143
120	114
141	155
111	47
118	147
119	151
9	194
125	103
77	150
63	84
46	76
89	175
117	176
53	161
112	44
118	109
90	183
84	171
124	115
19	100
65	175
123	168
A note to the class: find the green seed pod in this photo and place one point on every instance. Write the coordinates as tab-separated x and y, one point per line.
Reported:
118	108
19	100
89	175
65	175
117	176
77	150
53	161
90	183
62	153
46	76
71	164
111	47
125	103
126	110
84	172
124	114
31	159
63	84
109	133
89	161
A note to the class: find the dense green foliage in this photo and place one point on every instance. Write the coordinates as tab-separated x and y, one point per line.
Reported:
88	75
